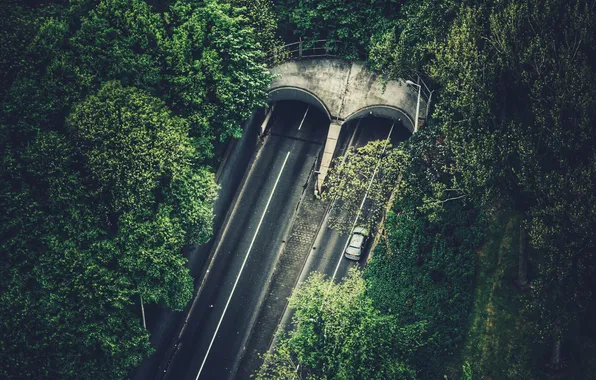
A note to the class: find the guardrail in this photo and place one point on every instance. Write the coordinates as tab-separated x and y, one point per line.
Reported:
302	49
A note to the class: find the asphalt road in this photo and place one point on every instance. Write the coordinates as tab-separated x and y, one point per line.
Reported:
326	254
245	254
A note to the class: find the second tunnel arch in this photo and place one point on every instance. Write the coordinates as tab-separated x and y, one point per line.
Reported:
384	111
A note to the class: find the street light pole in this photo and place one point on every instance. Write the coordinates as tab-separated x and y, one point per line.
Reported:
143	312
409	82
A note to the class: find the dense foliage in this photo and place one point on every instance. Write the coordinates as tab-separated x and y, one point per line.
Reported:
518	110
339	334
423	268
515	107
109	113
371	170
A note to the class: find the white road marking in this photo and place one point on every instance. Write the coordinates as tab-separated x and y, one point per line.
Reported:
362	204
304	117
243	264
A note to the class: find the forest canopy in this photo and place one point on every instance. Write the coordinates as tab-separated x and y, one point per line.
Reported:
511	130
110	111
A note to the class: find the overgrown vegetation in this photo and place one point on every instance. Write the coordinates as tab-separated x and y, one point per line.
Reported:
109	113
423	268
339	334
372	170
501	342
511	132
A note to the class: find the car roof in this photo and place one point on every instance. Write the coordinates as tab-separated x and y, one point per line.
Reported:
353	251
356	240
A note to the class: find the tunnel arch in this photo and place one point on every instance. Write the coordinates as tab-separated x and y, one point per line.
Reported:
384	111
341	88
344	90
296	93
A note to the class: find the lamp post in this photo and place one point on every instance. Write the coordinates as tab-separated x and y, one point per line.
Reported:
410	83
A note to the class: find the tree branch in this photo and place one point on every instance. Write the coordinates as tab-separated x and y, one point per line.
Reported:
452	199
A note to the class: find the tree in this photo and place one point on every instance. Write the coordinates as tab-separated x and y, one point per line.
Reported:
105	131
349	24
374	170
404	46
338	334
134	151
261	17
215	77
66	306
519	112
98	220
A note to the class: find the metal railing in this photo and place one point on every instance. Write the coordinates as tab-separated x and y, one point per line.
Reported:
426	93
302	49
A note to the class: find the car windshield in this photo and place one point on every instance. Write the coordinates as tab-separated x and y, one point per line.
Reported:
356	241
353	251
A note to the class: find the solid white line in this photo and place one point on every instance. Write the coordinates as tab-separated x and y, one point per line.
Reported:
362	203
304	117
242	267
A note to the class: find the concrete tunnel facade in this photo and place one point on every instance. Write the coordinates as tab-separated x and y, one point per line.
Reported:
343	90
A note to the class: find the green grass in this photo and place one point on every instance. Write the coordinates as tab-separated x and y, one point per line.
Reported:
500	343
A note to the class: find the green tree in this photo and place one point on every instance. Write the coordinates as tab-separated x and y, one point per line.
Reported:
373	169
138	158
129	141
66	306
261	17
423	267
350	24
518	112
216	77
104	133
339	334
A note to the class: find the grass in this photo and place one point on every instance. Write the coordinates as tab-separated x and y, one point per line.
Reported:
500	343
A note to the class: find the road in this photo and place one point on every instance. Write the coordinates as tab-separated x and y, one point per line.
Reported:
327	251
326	254
245	254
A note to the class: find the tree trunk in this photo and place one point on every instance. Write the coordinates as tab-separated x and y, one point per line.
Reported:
556	358
522	276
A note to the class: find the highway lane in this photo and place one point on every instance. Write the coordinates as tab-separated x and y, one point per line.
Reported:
227	305
326	254
327	251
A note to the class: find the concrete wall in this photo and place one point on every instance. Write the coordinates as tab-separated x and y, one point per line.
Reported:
344	90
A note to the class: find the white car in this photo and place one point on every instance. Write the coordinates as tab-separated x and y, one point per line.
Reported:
357	243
